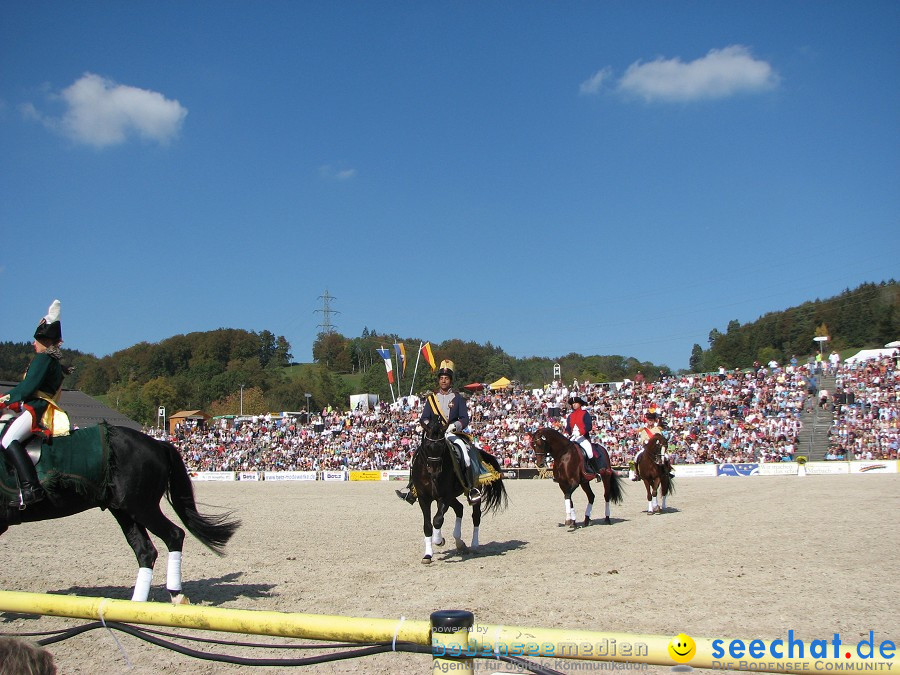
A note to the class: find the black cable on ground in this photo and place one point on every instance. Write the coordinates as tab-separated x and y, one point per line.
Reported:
359	651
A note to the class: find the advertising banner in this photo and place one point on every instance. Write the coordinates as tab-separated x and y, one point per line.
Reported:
365	475
874	466
290	475
778	469
249	475
395	475
738	469
334	475
694	470
213	475
827	468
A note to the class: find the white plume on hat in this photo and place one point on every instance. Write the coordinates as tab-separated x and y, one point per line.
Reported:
53	312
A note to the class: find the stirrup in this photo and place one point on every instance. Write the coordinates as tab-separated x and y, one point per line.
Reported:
409	497
28	495
474	496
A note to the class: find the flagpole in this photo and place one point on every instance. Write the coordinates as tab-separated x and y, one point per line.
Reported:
418	355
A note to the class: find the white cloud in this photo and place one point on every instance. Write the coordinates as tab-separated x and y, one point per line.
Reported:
593	84
100	112
333	173
721	73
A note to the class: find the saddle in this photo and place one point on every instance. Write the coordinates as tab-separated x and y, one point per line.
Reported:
587	471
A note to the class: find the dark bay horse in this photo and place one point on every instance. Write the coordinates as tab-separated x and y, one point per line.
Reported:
435	480
569	471
127	472
655	474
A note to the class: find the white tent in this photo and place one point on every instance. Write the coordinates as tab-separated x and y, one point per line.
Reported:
866	354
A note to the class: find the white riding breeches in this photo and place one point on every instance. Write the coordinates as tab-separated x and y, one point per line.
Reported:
19	429
585	443
463	448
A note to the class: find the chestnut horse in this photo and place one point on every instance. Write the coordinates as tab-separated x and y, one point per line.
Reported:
655	474
569	471
435	479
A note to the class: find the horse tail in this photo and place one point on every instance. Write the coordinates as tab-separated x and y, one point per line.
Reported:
667	483
615	487
494	497
213	531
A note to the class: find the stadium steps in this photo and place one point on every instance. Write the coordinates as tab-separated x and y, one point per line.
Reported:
813	441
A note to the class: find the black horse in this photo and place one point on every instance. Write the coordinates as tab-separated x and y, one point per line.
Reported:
127	472
434	479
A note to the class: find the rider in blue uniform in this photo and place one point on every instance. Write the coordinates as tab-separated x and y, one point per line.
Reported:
450	406
35	400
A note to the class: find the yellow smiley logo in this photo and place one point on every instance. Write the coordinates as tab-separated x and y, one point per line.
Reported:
682	648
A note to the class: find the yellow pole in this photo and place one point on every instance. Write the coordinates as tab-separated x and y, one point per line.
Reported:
255	622
826	655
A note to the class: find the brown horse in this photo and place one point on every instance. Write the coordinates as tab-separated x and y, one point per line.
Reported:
655	474
569	471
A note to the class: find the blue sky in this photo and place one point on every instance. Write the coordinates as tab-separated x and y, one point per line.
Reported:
592	177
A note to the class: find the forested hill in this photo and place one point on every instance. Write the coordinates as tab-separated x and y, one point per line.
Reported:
226	370
866	317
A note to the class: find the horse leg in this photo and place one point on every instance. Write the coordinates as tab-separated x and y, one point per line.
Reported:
570	510
657	495
438	538
590	506
144	551
457	525
651	495
173	538
425	505
607	489
476	523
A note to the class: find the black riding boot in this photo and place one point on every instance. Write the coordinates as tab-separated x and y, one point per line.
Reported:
473	494
28	480
407	496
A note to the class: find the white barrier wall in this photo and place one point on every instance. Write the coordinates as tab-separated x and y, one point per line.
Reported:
681	471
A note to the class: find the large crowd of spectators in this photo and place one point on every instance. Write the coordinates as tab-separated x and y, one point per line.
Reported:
750	415
865	401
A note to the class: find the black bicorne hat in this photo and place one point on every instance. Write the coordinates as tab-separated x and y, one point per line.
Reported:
50	327
577	399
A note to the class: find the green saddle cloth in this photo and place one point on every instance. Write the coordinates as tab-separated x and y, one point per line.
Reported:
77	463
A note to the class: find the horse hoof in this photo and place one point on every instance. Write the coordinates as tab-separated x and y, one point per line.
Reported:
657	510
426	560
461	547
587	521
440	543
608	521
180	599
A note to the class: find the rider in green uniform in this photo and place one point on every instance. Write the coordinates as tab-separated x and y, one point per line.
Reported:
34	399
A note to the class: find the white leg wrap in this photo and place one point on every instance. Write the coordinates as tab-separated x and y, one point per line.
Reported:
475	538
173	571
654	503
437	537
568	507
607	509
428	550
650	507
588	509
457	529
142	585
664	503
